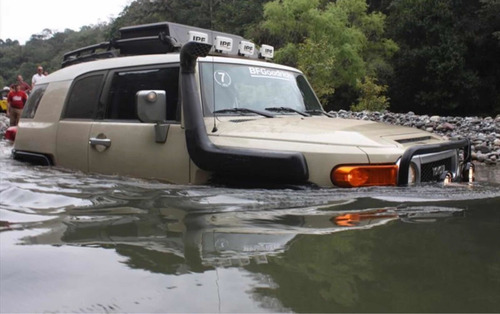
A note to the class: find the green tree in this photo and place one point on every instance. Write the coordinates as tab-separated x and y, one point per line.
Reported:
483	56
432	73
212	14
46	49
334	43
11	55
245	15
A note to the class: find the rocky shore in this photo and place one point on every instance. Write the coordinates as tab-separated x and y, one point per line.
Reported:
484	133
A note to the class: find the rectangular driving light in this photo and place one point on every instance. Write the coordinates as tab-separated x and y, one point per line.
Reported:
246	48
223	44
266	52
198	37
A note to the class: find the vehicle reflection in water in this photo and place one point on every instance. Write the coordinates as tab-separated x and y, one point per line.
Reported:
219	238
74	242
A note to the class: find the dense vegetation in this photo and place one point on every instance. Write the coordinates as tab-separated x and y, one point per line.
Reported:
426	56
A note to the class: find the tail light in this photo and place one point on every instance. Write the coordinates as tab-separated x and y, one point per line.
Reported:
364	175
11	132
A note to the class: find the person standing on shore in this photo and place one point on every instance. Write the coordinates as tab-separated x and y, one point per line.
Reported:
15	104
37	76
25	87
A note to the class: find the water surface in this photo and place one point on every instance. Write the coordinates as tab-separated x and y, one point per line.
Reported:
75	242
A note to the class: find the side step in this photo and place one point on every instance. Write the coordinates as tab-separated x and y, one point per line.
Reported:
32	158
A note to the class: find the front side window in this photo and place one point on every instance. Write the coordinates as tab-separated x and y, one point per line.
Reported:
229	86
121	103
33	101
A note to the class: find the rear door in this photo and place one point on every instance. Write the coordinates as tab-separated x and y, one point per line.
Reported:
78	115
121	144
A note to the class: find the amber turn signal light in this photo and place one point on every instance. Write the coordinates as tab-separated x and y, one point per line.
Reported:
368	175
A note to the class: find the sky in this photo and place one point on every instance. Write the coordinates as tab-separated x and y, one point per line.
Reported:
19	19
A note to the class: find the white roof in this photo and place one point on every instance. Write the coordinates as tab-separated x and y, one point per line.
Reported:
72	71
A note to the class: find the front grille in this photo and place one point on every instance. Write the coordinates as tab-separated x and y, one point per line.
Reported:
432	171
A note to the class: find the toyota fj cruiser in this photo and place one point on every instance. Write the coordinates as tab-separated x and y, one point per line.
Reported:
194	106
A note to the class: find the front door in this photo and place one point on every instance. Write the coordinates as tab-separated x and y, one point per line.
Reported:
128	148
119	143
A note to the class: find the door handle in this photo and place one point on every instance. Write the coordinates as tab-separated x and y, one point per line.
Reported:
106	142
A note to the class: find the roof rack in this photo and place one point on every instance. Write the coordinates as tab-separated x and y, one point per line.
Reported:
161	43
164	37
88	54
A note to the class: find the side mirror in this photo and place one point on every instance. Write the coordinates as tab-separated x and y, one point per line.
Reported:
151	105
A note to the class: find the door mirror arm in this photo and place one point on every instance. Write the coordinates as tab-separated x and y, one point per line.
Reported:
161	132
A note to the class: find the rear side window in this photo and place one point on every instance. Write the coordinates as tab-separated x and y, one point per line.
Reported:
83	100
125	84
33	101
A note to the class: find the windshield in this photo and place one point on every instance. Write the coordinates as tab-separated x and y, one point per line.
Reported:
236	86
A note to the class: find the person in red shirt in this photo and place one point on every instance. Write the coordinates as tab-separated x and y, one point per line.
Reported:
15	104
25	87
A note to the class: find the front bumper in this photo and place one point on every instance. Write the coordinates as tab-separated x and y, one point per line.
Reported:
457	171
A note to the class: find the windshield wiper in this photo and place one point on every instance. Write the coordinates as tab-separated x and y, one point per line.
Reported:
288	109
245	110
315	111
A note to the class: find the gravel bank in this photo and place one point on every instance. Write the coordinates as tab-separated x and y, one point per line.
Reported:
483	132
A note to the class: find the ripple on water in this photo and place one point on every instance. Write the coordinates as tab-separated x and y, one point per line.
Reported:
33	201
51	190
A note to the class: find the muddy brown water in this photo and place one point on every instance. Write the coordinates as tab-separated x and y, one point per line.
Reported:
75	242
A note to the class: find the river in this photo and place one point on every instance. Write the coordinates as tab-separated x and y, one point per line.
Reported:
75	242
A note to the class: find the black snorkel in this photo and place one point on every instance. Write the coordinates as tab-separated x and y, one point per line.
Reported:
253	164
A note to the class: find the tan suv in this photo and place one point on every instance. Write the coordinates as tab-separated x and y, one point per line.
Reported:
195	106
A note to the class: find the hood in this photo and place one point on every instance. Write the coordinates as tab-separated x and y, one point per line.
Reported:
320	130
248	163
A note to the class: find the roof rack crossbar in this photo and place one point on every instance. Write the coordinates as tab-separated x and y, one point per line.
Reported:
89	57
89	53
92	48
160	43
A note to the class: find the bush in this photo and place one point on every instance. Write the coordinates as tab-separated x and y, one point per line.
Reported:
372	97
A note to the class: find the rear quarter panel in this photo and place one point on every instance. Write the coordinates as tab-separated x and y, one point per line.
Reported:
39	134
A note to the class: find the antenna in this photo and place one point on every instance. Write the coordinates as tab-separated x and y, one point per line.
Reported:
213	99
214	129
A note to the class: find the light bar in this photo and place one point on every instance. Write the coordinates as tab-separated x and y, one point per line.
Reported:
173	37
246	48
223	44
198	37
266	52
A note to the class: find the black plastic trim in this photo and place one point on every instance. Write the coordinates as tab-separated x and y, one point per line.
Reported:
33	158
427	149
153	44
267	165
